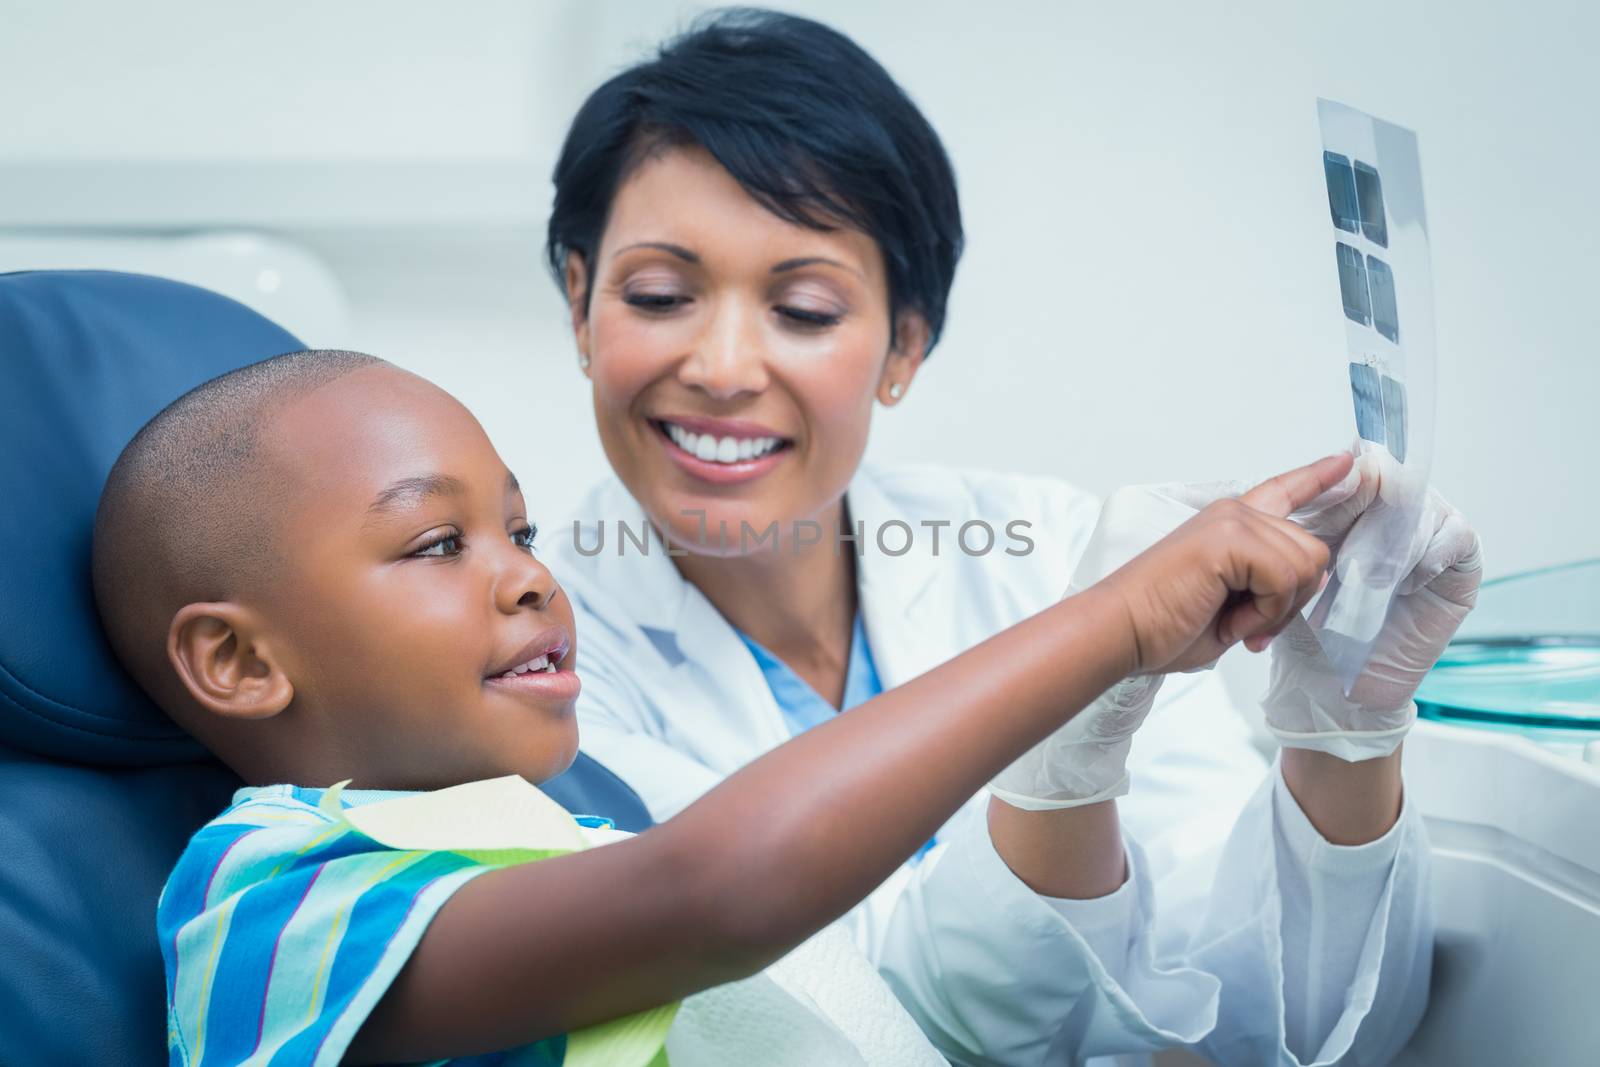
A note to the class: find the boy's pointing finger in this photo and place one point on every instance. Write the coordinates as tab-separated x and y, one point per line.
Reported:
1280	495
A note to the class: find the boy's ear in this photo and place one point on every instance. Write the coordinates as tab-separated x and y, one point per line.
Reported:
577	306
226	662
905	358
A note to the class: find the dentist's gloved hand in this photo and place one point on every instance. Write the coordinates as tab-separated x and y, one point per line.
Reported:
1085	761
1305	703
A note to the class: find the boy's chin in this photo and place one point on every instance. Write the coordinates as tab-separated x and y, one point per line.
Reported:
556	751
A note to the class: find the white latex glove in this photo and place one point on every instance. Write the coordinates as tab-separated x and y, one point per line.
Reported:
1085	761
1305	703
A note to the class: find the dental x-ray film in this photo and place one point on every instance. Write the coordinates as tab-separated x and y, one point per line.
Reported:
1379	234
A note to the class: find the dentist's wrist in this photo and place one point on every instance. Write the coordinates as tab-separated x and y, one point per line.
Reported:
1349	803
1074	853
1111	790
1306	727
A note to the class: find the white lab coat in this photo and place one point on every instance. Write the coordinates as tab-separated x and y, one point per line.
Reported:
1187	953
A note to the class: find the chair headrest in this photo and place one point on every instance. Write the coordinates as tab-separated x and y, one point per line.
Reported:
88	358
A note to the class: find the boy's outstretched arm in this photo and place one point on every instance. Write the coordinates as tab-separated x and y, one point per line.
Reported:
795	839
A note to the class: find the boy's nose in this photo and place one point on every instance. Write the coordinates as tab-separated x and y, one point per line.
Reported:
528	584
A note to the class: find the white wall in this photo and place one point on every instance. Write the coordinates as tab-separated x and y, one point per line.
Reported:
1147	292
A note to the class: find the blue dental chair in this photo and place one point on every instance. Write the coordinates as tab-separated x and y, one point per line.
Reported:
99	791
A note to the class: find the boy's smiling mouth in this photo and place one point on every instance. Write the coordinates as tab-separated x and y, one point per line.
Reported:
537	668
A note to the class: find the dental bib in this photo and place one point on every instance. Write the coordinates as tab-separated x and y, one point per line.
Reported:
824	1002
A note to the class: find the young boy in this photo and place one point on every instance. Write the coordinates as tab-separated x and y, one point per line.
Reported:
319	566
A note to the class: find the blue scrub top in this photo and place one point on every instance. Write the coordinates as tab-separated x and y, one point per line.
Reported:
803	707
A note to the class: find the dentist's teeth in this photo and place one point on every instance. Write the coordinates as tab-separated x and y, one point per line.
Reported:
680	437
712	449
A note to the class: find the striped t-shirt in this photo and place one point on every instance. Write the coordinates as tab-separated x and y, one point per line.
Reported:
281	928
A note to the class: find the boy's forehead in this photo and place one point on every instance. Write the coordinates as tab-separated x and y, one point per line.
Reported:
356	435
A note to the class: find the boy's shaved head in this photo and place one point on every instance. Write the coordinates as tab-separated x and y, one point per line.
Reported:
320	567
186	513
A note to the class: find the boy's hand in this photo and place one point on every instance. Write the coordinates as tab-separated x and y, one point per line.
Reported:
1237	571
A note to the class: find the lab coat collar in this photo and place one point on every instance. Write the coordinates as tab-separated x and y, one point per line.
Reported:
890	587
659	595
892	584
702	649
656	593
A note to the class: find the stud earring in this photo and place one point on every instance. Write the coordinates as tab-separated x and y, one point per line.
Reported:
583	361
896	391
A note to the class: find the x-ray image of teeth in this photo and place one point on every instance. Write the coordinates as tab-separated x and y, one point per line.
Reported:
1380	282
1394	417
1369	197
1380	403
1373	179
1353	285
1341	192
1368	395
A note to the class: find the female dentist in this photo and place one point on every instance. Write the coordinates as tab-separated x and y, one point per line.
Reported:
757	231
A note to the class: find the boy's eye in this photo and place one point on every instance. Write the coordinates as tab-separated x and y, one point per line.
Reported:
524	537
447	545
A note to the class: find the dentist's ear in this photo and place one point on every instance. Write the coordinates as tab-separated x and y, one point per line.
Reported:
577	282
905	357
226	663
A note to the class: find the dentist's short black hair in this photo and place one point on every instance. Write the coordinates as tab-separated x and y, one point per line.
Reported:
806	121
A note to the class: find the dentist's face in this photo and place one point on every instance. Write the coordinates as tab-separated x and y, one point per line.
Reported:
735	356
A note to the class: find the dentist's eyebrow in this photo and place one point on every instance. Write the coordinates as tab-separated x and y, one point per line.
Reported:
511	483
807	261
412	492
663	246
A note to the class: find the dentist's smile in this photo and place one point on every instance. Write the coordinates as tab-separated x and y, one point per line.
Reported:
721	451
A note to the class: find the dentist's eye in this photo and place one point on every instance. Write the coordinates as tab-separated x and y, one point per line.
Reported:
806	318
524	537
446	545
655	302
